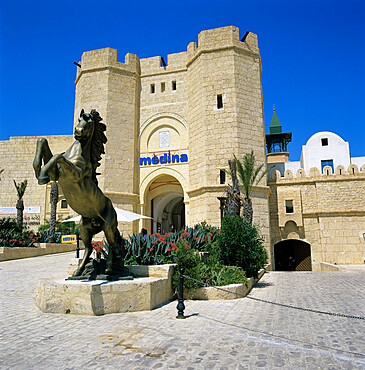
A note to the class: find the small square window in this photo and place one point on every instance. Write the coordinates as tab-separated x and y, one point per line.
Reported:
289	208
324	141
152	88
63	203
219	101
162	86
173	85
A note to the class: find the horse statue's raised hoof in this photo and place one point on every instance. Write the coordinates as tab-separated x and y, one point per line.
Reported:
43	180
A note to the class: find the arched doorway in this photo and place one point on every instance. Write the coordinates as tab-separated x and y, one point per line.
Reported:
292	255
164	201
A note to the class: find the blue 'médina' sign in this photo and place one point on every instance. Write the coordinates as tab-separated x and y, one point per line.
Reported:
165	158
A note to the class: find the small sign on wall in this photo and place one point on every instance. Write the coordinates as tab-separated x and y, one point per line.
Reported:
68	239
26	211
164	139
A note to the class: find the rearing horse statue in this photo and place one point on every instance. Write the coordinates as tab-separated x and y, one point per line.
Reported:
75	171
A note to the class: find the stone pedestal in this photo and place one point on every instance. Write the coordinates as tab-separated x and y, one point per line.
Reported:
103	297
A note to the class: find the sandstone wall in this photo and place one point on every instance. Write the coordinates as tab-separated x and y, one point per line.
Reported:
16	158
329	214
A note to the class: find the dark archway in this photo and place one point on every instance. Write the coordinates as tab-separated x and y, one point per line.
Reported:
292	255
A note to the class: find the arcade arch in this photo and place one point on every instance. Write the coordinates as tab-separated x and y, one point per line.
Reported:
164	202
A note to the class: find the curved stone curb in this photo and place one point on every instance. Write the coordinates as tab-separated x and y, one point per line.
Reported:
210	293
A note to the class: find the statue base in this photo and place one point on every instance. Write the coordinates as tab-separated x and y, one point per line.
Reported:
151	287
95	270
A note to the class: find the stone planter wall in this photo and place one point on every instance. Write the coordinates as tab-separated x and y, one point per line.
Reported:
40	249
209	293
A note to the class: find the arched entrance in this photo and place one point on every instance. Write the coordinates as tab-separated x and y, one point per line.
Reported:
292	255
164	201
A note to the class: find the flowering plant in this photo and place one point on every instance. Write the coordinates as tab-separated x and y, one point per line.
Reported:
159	248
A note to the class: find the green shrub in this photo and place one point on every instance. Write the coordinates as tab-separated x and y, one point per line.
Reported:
14	235
220	275
61	227
211	272
240	245
213	257
189	259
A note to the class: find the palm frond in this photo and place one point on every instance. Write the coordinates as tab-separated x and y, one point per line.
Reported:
20	188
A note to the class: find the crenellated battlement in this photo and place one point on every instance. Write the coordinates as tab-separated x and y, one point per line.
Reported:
208	41
222	38
341	173
107	58
155	65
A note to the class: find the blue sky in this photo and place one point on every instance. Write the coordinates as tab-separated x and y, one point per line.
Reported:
313	57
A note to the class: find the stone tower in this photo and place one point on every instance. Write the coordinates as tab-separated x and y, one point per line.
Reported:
112	88
225	114
277	141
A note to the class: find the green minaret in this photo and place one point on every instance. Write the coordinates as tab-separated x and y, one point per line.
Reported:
277	141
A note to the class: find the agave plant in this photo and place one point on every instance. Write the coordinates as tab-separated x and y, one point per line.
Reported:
159	248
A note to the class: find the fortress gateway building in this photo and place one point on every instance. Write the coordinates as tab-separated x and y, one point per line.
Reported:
172	126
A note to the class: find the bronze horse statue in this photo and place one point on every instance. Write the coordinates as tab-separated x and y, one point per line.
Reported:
75	171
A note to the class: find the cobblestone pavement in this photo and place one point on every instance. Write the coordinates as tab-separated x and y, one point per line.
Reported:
236	334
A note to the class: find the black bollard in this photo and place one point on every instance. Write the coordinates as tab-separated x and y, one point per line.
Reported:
77	245
180	306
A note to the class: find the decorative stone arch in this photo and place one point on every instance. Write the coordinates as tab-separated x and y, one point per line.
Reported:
327	170
314	171
340	170
300	172
148	141
158	116
276	175
163	196
288	174
292	231
152	176
362	168
353	169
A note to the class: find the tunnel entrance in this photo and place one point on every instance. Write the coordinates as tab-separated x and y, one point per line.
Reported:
292	255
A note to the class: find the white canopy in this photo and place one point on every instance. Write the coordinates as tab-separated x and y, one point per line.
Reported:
122	215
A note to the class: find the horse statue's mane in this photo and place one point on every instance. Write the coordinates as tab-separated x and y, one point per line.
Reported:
97	142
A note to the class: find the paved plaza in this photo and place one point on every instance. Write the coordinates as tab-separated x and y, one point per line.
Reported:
237	334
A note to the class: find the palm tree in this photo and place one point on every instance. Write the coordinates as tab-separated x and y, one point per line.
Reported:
233	200
249	176
20	188
54	200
